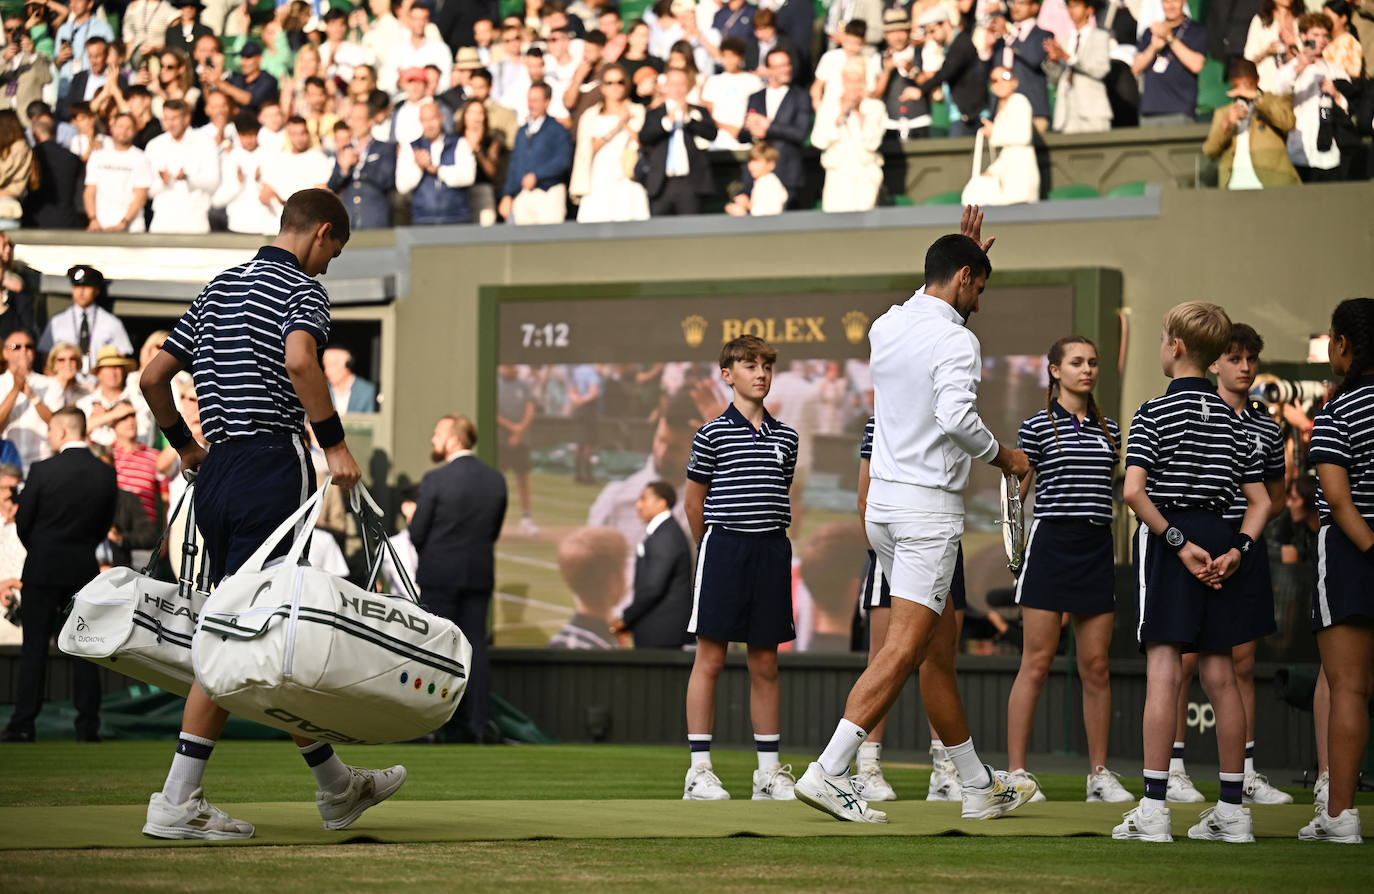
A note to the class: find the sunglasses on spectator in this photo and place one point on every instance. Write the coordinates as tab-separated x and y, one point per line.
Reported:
20	346
66	360
617	82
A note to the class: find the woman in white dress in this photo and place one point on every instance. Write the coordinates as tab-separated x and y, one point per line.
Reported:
849	128
1272	39
1010	133
607	148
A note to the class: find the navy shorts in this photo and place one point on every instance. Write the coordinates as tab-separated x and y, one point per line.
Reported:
1172	606
1254	581
1345	581
876	593
743	591
245	488
1069	567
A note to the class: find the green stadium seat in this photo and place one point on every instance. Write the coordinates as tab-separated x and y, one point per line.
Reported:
1131	190
939	118
945	198
1074	191
903	200
1211	88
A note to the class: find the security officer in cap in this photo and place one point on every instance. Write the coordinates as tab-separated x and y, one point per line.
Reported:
85	324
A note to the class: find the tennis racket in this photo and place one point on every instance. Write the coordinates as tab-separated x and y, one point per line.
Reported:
1013	522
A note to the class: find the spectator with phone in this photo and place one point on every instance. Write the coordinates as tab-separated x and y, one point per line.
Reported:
81	25
1249	136
24	72
1320	109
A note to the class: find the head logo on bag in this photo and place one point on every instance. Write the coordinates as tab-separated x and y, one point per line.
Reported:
381	611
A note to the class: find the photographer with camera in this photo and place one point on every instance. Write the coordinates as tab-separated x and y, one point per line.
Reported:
1320	109
24	72
1248	137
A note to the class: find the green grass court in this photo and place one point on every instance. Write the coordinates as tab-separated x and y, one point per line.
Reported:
594	818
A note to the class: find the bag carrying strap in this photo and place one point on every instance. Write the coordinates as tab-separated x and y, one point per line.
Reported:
375	542
308	513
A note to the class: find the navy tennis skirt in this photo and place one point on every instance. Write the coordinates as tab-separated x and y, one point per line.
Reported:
1068	567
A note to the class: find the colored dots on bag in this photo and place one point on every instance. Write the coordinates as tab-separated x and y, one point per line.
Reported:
431	688
418	681
444	693
404	676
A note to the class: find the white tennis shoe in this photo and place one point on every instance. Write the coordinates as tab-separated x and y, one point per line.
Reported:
944	780
1022	776
1343	829
1212	825
1104	785
1181	789
872	786
775	784
703	785
1005	793
196	818
1321	789
1137	825
835	795
366	788
1259	791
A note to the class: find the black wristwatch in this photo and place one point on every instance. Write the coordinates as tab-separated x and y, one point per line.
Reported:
1174	538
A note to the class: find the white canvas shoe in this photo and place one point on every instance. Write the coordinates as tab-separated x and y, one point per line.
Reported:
1321	789
1023	775
1213	826
1104	785
776	784
835	795
1259	791
1004	794
944	781
872	785
1343	829
1137	825
196	818
366	788
703	785
1181	789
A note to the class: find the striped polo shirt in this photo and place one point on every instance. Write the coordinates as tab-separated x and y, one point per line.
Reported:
1073	462
233	339
747	471
866	445
1265	439
1343	435
1193	447
136	472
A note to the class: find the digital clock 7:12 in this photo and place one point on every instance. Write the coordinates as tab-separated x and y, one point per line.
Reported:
548	335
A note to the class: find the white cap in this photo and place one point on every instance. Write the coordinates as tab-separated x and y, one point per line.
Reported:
933	16
683	6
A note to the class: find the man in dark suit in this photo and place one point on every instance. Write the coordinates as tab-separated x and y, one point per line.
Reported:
52	206
767	38
679	174
65	512
187	28
457	520
1022	49
780	113
81	90
364	173
662	605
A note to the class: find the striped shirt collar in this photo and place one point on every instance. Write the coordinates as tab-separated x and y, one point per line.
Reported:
278	255
1190	383
1065	414
733	414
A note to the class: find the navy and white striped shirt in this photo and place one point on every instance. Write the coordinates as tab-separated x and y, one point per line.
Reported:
1193	447
233	339
1266	440
748	472
1073	472
1343	435
866	445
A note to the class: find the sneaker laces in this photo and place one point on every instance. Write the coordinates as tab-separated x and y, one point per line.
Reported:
704	774
1106	776
865	776
784	770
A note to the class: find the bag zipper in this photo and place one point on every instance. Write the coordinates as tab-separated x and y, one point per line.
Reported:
291	623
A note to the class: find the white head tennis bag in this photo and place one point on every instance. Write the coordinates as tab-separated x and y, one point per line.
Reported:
309	653
131	622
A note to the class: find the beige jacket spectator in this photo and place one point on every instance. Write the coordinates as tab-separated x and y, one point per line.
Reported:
16	165
27	72
848	130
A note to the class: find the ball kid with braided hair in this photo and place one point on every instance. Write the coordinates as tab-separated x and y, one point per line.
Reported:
1343	613
1072	448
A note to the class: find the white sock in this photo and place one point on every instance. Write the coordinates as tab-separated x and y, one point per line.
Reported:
700	746
1176	761
767	749
870	754
188	767
838	755
1226	808
1249	758
331	774
972	772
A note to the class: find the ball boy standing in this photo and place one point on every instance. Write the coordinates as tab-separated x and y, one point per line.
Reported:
738	477
1187	457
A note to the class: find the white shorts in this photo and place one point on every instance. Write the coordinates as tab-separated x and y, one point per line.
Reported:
917	550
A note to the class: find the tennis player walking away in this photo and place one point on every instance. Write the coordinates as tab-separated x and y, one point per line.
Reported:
926	367
251	340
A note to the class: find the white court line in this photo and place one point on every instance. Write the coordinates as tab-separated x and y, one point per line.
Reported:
526	560
560	610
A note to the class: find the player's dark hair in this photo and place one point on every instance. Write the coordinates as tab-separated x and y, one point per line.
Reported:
1056	357
746	348
1353	319
72	419
856	28
246	122
1244	337
664	491
950	254
734	45
309	208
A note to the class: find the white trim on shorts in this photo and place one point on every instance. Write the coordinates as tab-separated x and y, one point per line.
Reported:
1025	560
696	584
1323	601
1143	536
307	474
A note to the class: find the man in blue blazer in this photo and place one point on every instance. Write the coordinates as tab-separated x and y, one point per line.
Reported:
781	114
350	392
1022	49
536	190
365	173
